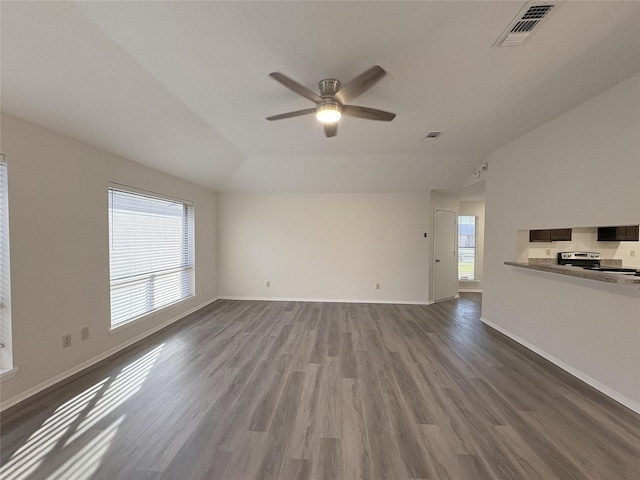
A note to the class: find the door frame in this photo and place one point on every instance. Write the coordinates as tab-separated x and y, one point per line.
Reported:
455	250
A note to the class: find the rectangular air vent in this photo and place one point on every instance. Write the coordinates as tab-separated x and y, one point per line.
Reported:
432	135
530	17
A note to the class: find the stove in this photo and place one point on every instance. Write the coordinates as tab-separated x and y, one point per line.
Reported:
591	261
579	259
623	270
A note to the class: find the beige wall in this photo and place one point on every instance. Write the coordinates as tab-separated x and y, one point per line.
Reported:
580	169
324	246
60	257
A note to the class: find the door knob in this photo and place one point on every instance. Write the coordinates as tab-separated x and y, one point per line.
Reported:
437	261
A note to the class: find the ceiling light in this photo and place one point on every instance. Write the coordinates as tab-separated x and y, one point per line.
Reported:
329	112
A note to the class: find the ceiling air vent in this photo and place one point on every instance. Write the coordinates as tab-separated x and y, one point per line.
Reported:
530	17
432	135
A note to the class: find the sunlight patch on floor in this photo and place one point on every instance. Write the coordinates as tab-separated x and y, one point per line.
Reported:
77	419
85	463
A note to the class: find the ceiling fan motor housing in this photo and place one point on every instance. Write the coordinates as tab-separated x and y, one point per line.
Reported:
329	110
328	87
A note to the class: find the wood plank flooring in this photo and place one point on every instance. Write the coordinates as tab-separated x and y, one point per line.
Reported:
284	390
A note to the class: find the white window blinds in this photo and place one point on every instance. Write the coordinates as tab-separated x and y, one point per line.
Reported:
5	279
150	253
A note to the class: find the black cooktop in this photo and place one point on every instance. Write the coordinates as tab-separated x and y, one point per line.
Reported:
598	268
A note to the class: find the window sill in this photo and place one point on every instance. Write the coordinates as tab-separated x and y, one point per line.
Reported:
137	320
8	373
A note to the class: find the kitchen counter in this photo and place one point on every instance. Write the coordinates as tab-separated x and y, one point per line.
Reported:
579	272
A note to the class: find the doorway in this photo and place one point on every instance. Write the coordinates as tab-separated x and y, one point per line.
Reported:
445	281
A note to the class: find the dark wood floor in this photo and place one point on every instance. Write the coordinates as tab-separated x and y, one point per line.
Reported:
280	390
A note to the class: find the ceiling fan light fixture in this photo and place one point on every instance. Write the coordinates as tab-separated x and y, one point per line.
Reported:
329	112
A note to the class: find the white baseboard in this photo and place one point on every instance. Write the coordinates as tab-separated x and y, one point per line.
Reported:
470	290
326	300
627	402
92	361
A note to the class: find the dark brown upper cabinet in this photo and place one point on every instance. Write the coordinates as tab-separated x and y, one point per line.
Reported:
557	234
539	235
627	233
561	234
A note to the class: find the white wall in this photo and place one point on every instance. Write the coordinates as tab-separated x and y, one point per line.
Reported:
59	251
580	169
324	246
476	209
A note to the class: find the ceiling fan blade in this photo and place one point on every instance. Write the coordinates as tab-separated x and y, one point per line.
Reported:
331	129
368	113
360	84
297	113
296	87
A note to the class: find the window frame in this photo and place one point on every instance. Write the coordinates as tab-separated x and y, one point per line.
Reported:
474	247
7	369
190	250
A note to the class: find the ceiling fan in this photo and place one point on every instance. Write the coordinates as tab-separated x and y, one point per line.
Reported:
330	104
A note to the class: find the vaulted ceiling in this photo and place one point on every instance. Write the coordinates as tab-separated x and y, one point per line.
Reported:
184	87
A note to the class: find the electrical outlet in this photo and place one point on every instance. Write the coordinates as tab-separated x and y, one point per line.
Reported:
632	253
84	333
377	286
268	284
66	340
548	252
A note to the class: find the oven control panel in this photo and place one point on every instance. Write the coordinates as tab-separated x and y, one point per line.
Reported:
579	255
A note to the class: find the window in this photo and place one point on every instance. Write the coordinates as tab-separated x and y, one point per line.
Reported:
150	253
6	360
467	247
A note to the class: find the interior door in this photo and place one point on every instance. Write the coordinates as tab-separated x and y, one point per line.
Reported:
445	284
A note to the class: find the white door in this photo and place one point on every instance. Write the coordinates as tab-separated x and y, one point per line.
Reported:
445	284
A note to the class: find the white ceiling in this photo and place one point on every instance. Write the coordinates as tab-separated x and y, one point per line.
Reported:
184	87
